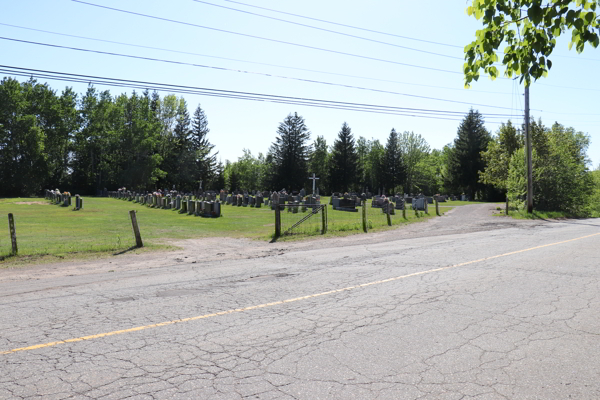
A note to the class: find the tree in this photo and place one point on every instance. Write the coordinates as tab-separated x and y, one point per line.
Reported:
374	165
528	30
290	153
498	154
220	177
394	168
344	161
414	148
23	162
428	176
561	179
465	160
319	164
205	161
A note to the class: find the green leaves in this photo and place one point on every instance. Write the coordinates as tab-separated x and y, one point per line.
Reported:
526	51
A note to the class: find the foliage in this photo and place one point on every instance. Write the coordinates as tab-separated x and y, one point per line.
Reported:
428	176
205	161
498	154
344	162
96	141
414	149
394	167
465	160
528	30
247	173
561	181
290	153
23	161
594	202
319	164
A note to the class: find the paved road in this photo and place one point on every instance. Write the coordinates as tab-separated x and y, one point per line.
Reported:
487	308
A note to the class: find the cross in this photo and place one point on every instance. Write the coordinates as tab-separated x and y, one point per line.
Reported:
314	179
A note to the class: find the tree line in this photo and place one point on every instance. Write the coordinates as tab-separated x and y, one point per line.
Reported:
93	141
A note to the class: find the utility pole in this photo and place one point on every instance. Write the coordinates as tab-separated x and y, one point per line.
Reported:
528	148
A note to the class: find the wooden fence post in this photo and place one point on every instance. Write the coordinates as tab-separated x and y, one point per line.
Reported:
506	212
387	211
277	220
437	207
13	234
136	229
324	219
364	217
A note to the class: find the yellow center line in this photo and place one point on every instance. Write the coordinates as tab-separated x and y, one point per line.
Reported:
276	303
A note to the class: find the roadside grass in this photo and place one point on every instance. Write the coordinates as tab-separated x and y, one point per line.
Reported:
48	232
522	214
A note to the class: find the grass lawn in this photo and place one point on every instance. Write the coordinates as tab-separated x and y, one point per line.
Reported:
103	226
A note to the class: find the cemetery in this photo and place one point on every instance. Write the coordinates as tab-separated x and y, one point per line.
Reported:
64	224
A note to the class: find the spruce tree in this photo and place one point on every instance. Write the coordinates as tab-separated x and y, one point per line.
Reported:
344	161
290	153
465	160
394	171
205	161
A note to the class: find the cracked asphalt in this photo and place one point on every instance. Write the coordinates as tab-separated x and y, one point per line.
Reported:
467	306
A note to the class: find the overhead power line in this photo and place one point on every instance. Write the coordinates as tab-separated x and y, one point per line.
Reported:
330	31
249	72
269	39
246	61
181	89
345	25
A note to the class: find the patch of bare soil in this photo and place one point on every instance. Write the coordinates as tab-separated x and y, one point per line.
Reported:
464	219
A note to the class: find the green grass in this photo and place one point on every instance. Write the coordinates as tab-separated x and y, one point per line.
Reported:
49	232
522	214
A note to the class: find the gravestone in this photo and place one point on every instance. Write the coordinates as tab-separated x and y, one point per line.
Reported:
419	204
400	204
388	205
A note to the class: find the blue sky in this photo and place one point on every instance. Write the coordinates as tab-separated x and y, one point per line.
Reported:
569	95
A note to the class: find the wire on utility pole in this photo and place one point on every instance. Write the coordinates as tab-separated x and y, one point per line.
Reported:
529	163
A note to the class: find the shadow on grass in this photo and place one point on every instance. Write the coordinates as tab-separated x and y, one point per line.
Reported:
125	251
7	256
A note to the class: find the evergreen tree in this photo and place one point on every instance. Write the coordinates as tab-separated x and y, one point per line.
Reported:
183	157
205	161
466	161
234	181
290	153
219	182
344	162
319	164
394	171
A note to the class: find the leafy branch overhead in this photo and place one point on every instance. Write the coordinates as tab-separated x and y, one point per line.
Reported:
528	30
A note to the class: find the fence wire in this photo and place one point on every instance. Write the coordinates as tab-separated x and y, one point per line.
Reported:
301	219
340	221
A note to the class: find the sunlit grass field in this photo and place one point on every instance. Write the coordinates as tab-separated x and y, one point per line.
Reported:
103	226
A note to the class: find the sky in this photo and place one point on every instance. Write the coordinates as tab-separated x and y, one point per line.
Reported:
414	60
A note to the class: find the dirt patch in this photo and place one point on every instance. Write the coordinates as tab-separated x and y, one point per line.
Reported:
32	202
